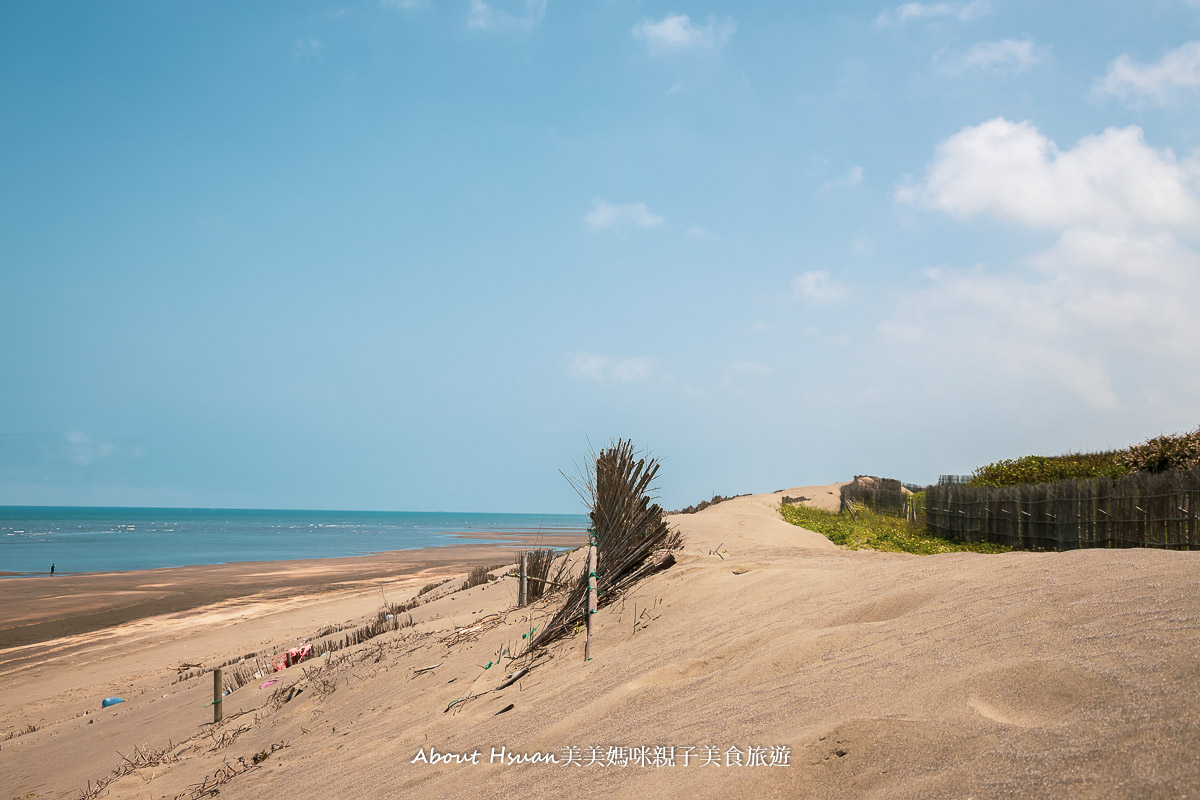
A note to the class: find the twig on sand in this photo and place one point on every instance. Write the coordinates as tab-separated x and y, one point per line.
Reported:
473	632
513	678
211	785
142	757
508	681
465	698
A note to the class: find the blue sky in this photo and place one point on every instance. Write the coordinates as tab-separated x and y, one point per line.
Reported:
418	254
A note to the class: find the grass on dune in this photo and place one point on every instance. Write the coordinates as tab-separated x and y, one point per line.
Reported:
873	531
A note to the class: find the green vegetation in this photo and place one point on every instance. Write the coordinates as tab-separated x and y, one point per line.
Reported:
1161	453
868	530
1046	469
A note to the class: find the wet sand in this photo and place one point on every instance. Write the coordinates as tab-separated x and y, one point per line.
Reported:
42	608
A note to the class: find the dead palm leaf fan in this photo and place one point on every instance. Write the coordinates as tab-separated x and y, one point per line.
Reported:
632	539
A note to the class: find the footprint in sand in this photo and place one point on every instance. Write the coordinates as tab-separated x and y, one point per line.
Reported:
884	608
1036	693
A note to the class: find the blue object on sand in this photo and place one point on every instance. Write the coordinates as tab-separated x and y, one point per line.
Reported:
111	701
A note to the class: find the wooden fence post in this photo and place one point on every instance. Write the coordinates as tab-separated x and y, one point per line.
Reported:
218	686
591	602
523	594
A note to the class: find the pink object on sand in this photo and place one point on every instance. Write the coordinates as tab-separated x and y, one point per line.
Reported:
293	656
268	683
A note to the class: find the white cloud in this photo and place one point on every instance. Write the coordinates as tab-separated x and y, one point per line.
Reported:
1106	313
607	215
482	16
851	179
1005	330
307	48
818	287
1010	171
915	12
84	450
700	232
1178	72
1003	57
1139	287
404	5
611	370
676	32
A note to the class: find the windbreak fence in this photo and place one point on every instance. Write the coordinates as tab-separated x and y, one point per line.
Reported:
1138	510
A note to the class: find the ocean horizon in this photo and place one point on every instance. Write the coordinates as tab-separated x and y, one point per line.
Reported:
78	539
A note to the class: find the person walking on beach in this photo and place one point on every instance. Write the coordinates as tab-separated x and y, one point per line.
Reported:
51	569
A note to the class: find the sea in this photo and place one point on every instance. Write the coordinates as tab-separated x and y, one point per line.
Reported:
79	540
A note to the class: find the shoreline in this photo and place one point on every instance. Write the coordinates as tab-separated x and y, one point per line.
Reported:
562	538
37	608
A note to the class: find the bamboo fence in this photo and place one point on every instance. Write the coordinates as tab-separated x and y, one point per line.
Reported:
1137	510
885	497
954	480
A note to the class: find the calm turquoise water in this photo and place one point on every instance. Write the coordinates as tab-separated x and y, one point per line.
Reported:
118	539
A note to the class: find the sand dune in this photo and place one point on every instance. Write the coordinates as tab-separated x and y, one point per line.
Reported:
884	675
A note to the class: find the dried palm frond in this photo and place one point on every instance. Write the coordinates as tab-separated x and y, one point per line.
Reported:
631	537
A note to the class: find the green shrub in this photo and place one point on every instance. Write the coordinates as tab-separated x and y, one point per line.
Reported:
1046	469
1174	451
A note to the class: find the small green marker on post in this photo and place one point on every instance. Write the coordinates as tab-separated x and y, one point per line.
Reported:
592	594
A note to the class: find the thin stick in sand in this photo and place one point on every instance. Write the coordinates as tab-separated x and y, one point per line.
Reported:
591	602
217	695
524	593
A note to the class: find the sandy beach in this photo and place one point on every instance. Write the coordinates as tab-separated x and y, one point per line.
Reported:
39	609
773	662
